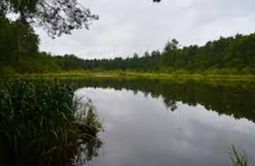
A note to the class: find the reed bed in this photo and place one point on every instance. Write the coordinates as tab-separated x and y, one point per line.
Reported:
39	125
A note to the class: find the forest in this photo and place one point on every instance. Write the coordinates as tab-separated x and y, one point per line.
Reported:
20	54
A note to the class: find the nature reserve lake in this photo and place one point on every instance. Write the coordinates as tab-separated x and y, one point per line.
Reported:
164	122
127	83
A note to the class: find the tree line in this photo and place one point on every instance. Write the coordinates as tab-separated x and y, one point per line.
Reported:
20	54
236	54
19	44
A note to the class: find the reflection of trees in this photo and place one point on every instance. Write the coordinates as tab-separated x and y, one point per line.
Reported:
170	104
232	98
88	146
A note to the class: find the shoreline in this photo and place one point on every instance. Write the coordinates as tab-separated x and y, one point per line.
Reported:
133	75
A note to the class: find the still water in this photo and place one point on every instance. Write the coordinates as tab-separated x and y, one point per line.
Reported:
157	122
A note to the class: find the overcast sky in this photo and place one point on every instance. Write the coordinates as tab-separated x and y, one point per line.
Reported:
128	26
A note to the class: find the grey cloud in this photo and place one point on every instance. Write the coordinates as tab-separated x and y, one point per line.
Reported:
132	26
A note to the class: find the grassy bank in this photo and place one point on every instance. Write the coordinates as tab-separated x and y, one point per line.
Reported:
130	74
40	124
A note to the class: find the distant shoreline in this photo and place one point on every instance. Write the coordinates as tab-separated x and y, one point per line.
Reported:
127	75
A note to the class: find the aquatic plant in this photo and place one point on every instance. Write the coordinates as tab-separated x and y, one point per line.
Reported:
39	124
238	158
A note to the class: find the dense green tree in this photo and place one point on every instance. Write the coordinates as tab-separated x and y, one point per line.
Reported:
16	40
233	54
171	45
56	16
19	53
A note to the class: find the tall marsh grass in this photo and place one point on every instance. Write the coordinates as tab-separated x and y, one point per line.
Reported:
238	158
39	125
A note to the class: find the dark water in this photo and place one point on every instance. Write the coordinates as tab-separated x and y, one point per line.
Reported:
161	122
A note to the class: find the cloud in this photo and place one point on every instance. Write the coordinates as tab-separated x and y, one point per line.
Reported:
132	26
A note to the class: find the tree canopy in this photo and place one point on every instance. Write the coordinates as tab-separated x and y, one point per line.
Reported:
231	54
56	16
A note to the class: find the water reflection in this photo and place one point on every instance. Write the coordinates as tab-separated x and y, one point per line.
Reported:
88	147
159	122
231	98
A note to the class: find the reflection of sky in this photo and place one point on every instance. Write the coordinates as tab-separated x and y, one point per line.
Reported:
140	130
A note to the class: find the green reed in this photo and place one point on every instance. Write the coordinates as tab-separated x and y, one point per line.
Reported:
39	124
238	158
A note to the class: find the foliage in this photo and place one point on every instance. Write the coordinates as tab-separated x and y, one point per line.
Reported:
232	55
238	158
56	16
13	46
39	124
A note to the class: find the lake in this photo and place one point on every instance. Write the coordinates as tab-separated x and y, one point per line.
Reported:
164	122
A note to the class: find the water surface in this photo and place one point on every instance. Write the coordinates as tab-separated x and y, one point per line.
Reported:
167	123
